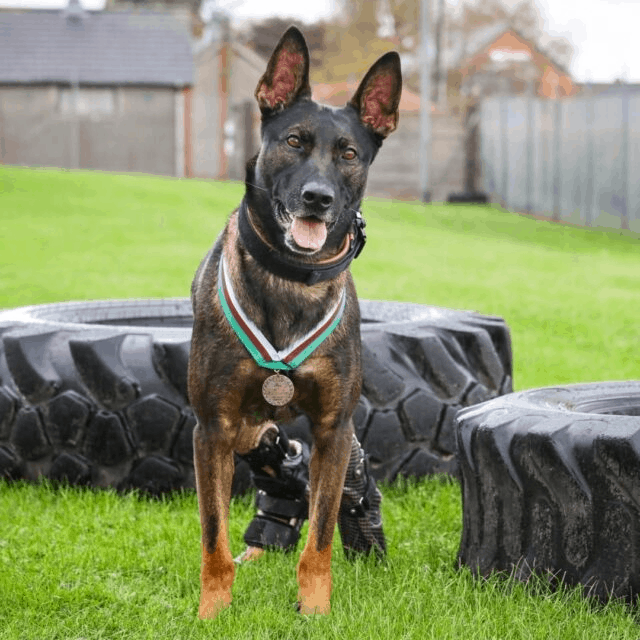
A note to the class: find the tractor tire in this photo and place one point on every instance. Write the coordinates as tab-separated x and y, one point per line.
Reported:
95	393
421	364
551	485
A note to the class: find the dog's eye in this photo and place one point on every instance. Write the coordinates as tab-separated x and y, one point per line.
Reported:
294	141
349	154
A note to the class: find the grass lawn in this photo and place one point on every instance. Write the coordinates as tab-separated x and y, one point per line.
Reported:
79	564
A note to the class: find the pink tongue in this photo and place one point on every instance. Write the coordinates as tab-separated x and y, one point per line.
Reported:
309	234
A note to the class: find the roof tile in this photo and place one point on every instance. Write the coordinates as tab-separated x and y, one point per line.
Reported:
98	48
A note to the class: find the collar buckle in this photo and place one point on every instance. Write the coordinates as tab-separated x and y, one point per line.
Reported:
361	237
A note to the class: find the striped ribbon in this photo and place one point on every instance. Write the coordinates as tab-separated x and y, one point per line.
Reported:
261	350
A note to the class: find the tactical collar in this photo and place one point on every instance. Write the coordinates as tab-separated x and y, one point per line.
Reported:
284	267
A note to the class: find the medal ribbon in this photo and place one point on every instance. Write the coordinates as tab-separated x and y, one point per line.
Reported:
255	342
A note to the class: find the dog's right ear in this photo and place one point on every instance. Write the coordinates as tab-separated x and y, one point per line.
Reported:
287	76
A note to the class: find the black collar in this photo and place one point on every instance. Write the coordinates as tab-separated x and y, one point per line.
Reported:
284	267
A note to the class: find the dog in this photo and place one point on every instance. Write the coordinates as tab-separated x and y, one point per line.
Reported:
276	327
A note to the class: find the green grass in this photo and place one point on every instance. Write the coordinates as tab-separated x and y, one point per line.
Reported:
79	564
569	295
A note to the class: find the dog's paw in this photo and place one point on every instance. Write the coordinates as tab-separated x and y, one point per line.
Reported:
212	603
250	554
316	600
312	610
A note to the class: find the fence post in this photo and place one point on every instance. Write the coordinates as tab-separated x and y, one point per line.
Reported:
187	95
75	125
529	154
224	74
504	142
590	182
557	139
248	145
472	147
424	157
624	221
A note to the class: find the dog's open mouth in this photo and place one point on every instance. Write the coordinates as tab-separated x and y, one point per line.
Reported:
309	233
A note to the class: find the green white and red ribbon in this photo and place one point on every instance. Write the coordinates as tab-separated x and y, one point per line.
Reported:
256	343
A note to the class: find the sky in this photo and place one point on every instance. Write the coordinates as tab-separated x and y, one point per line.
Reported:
604	33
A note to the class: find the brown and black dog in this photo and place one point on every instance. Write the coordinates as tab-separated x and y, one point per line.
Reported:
285	253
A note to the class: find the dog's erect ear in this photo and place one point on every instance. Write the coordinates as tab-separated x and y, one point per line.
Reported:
378	95
287	76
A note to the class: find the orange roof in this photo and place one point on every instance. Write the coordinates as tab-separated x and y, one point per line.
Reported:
510	42
340	93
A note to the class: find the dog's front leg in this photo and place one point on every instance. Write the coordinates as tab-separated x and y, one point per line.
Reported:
213	462
327	469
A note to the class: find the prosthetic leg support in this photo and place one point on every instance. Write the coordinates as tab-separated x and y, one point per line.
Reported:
280	471
359	518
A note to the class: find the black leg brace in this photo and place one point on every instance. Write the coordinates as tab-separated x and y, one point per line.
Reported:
280	472
359	518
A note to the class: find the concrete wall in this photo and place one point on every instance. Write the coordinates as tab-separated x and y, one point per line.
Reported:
206	117
247	68
221	140
394	173
226	130
109	128
142	129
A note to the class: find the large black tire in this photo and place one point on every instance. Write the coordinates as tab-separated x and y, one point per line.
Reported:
422	364
551	485
95	392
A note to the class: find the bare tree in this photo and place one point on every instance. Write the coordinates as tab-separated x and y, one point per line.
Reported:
360	18
560	50
437	63
526	19
406	17
263	36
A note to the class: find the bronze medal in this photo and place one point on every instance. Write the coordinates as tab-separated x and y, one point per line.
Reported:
277	390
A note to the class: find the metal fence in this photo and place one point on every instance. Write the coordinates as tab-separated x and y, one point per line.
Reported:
574	160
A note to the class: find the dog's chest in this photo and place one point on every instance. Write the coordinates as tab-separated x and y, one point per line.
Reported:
279	328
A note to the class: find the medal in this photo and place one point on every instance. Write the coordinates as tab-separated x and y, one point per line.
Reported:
277	390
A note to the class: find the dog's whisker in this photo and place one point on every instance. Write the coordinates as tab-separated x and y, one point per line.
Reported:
250	184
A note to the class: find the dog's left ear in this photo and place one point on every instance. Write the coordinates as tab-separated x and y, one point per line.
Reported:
287	76
378	95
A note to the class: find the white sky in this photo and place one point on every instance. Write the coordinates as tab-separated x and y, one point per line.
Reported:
604	33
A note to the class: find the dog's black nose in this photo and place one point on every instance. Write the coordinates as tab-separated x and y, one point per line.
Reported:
317	195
